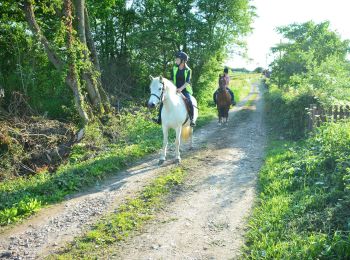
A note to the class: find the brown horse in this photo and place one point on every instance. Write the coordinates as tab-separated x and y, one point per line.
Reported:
223	100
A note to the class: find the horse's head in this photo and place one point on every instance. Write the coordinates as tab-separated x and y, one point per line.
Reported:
222	82
157	91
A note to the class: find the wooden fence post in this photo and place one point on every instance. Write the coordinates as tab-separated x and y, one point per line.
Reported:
310	119
318	115
336	113
347	111
341	112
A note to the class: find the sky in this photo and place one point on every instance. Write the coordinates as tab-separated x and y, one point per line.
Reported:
275	13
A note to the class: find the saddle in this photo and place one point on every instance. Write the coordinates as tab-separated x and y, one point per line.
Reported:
186	103
223	97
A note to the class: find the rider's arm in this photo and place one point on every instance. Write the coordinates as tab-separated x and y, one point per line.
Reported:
183	86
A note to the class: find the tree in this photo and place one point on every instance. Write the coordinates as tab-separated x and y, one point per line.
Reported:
113	45
77	53
259	70
308	45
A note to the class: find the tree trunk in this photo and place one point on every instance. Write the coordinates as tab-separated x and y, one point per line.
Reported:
79	9
94	59
90	42
72	76
96	73
87	74
71	79
27	8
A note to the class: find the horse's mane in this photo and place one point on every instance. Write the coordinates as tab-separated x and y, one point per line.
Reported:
169	84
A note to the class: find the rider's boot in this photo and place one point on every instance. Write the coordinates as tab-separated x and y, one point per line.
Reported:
192	123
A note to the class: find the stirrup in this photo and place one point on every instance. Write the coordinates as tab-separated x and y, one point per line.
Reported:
192	123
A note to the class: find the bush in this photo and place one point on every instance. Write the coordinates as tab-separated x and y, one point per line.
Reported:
286	110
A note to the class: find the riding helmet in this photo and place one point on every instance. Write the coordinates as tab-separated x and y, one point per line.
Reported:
182	55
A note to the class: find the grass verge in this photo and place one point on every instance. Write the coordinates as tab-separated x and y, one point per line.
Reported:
303	208
241	84
129	217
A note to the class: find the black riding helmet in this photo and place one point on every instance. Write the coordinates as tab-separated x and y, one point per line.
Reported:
225	70
182	55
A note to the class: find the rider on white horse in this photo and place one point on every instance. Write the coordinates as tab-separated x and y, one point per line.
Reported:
181	77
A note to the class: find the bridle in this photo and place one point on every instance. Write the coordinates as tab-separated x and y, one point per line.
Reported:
161	94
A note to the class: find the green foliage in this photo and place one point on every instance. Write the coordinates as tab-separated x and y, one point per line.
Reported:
311	68
308	46
286	110
329	82
132	42
149	33
24	67
129	217
259	70
304	200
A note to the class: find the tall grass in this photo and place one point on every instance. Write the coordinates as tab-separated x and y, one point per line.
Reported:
303	209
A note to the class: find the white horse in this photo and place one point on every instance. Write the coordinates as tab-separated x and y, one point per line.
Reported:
174	113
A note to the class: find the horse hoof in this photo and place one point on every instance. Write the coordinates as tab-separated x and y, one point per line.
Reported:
161	161
177	161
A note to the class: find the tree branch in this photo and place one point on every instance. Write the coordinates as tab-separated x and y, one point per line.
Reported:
27	8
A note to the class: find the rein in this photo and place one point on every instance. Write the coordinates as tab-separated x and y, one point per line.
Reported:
160	98
161	94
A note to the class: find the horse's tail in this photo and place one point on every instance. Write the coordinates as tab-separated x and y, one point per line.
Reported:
186	132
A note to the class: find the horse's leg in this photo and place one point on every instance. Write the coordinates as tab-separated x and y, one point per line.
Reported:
165	144
228	109
177	144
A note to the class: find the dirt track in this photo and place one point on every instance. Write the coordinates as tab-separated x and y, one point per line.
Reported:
205	220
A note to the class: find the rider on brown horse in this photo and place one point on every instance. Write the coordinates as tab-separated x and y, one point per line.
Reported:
227	79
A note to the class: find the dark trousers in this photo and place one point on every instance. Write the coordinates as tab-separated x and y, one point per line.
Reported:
215	95
188	97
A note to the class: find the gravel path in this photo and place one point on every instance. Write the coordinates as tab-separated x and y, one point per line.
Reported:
207	219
